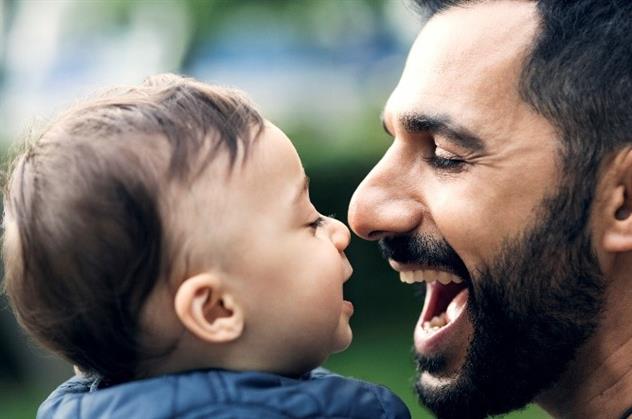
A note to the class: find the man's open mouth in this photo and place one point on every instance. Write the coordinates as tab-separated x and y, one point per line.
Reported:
446	294
445	302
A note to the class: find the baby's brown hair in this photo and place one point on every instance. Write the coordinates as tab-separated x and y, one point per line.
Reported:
84	241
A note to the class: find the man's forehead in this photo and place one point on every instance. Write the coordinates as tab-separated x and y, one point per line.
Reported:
467	58
485	32
498	15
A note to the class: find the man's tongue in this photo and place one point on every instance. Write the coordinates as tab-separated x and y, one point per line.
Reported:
444	303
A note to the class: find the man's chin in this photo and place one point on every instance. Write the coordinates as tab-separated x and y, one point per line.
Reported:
436	383
450	395
437	374
441	351
453	367
443	394
440	383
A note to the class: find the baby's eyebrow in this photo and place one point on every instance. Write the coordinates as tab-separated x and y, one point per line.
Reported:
303	188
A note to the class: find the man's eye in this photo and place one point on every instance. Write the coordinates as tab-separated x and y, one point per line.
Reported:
443	163
446	163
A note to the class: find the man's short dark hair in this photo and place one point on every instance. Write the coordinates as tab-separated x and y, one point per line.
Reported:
84	241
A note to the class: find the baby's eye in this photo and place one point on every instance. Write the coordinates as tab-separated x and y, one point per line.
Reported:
317	222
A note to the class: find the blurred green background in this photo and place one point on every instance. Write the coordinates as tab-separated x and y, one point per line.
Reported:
320	69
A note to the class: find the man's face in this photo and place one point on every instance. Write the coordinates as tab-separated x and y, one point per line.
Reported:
470	195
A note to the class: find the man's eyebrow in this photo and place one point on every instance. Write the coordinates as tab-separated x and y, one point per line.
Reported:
441	125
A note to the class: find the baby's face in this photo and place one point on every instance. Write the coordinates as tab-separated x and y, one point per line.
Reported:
285	262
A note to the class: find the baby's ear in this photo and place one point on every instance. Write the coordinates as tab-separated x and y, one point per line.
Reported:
207	310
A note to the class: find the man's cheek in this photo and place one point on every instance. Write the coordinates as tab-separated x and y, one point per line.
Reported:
473	231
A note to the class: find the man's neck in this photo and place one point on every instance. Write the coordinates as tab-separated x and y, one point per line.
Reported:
598	383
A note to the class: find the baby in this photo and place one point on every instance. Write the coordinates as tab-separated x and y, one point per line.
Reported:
161	239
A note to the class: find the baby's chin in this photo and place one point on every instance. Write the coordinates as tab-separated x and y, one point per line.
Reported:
344	338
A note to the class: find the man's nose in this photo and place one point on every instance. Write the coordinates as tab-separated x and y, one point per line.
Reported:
385	203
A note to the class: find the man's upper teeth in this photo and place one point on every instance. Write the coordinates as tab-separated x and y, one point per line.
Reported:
427	275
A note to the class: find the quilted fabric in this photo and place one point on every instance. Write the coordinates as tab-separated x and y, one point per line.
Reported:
225	394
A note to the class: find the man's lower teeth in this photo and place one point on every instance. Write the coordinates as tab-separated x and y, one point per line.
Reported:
436	323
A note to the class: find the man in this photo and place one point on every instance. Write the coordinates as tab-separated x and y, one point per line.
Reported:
508	191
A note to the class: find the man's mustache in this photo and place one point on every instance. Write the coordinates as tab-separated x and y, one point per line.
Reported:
423	250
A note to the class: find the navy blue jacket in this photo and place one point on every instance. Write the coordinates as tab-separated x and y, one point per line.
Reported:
220	394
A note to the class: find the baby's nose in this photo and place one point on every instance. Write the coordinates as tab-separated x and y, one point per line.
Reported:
340	234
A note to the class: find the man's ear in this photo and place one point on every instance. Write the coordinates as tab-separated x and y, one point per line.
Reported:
207	310
618	205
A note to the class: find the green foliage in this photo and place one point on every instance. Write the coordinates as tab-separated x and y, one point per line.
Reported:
21	402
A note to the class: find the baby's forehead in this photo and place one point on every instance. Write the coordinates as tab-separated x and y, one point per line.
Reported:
199	211
218	206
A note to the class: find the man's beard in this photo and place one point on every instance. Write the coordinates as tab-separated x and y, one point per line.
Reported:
531	308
